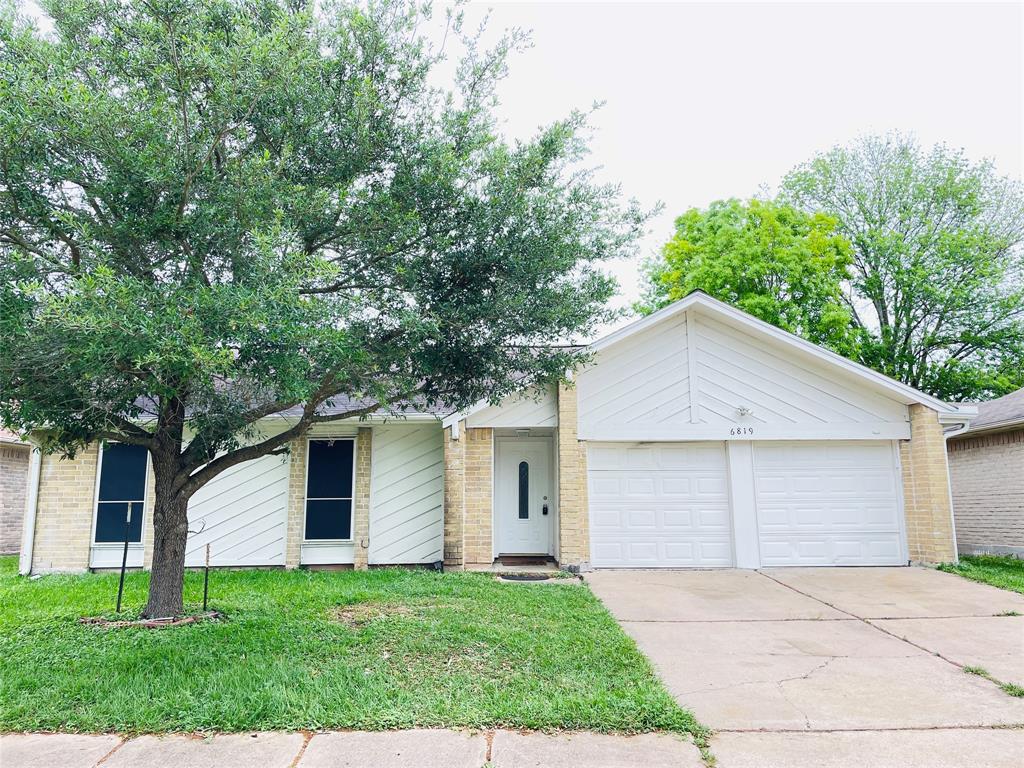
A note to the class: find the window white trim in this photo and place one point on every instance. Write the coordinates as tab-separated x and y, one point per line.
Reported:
96	504
352	506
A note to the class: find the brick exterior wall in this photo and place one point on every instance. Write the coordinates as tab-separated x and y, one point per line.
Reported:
987	478
926	497
296	502
477	496
573	517
454	497
13	485
64	511
361	502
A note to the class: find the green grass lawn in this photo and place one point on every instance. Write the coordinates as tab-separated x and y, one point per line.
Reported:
419	649
997	570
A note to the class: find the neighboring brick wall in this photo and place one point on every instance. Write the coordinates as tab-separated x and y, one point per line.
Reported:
296	502
573	517
478	495
64	512
926	497
987	476
454	497
361	505
13	483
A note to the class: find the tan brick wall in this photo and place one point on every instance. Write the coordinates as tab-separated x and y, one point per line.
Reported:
296	502
987	478
926	495
478	495
64	512
361	505
573	517
454	497
147	518
13	485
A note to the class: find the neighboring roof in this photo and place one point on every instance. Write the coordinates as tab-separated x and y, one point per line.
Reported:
1006	412
948	412
6	436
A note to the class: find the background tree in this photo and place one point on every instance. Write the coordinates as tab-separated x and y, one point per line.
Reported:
216	210
937	285
779	264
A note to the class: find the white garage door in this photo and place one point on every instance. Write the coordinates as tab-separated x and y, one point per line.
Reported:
659	505
828	503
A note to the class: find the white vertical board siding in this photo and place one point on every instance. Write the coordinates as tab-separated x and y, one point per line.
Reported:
407	494
242	514
661	505
638	385
828	503
533	408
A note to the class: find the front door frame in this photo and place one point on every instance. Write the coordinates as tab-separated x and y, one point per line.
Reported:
501	443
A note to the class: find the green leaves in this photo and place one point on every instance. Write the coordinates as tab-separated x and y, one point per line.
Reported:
225	206
938	265
779	264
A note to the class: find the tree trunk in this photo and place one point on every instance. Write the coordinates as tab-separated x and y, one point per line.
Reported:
170	534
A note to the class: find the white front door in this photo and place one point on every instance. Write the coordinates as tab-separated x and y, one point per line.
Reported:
524	497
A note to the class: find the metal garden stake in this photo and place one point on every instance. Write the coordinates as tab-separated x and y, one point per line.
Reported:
124	555
206	577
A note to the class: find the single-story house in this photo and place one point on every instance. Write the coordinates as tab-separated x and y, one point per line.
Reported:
986	465
697	436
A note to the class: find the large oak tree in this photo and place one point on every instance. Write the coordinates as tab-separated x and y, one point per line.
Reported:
216	210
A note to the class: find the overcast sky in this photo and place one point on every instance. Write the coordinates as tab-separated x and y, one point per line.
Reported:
711	100
706	101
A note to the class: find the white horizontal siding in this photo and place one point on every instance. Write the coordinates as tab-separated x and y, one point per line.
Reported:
536	407
407	494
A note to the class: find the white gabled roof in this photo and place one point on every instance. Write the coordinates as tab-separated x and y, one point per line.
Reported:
698	300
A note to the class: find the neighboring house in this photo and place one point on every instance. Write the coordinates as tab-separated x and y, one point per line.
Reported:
698	436
13	477
986	465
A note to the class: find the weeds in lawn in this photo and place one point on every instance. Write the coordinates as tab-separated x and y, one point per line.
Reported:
1010	689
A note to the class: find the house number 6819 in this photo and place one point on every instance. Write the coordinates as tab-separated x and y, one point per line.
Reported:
741	431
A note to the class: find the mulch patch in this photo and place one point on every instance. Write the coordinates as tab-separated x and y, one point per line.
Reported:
170	621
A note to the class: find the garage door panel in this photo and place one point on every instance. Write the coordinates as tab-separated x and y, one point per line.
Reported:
827	503
620	519
663	552
661	505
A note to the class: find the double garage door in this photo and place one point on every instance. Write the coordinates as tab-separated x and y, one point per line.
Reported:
814	503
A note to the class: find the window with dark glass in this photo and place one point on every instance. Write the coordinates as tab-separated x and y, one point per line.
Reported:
329	489
122	483
524	491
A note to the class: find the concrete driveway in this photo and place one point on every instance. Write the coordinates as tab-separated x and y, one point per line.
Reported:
833	666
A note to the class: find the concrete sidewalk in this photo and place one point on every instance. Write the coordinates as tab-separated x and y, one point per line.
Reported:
349	749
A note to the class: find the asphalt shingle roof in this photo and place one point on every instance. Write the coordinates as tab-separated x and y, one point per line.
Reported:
1008	410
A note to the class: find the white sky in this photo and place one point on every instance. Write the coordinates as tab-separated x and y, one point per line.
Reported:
707	101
